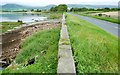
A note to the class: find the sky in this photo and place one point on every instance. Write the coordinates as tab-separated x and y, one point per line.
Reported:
56	2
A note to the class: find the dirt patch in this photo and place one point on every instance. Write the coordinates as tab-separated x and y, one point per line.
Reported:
11	40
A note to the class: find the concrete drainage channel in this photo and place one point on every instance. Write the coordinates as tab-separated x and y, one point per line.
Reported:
65	59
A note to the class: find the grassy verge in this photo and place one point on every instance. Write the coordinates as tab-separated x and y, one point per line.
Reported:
95	51
113	20
42	45
90	12
5	26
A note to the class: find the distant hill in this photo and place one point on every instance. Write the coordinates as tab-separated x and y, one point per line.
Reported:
21	7
48	7
91	6
13	7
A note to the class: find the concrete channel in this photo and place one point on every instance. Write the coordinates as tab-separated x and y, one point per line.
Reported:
65	59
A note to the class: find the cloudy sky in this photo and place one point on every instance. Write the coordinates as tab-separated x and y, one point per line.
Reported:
56	2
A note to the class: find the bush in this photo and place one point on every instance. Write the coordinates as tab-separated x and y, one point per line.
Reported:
20	21
99	14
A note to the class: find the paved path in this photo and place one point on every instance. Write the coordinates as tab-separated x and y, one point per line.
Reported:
111	28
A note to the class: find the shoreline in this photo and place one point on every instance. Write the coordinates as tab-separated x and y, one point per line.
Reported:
22	12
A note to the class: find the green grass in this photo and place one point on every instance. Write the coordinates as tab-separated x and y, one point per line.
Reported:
90	12
44	45
113	20
55	15
5	26
95	50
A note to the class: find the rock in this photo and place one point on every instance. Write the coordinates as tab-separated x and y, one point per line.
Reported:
31	61
35	27
36	20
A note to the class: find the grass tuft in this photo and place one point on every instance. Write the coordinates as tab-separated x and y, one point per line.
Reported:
55	16
5	26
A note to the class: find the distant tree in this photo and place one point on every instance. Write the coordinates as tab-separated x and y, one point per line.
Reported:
62	8
84	9
118	9
91	9
24	10
72	9
20	21
38	10
78	9
99	9
59	8
106	9
115	9
53	9
32	9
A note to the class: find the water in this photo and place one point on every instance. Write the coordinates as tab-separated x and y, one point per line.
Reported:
25	17
1	68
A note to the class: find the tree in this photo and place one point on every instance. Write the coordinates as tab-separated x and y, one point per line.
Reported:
59	8
78	9
106	9
91	9
62	8
53	9
72	9
23	10
32	9
38	10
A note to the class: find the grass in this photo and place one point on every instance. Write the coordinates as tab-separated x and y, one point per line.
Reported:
55	15
113	20
90	12
44	45
5	26
95	50
110	19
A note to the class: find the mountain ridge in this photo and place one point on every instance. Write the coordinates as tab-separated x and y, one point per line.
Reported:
21	7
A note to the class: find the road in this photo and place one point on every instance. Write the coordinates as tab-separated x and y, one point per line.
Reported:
111	28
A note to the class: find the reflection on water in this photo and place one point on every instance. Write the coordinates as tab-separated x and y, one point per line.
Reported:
25	17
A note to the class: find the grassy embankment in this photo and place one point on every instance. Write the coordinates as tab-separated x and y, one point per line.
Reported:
105	18
44	46
95	51
5	26
50	15
54	15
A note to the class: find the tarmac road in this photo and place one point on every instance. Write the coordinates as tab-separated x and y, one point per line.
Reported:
111	28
